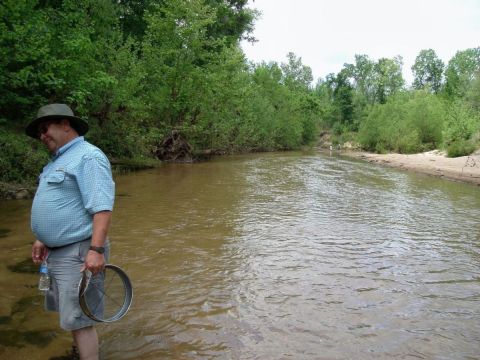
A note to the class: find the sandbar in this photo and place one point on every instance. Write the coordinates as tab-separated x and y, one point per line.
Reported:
436	163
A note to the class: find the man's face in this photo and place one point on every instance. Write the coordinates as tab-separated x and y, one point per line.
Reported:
52	133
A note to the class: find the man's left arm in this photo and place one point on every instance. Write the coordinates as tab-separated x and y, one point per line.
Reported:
95	262
98	193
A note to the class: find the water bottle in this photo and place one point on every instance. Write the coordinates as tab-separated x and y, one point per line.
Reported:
44	283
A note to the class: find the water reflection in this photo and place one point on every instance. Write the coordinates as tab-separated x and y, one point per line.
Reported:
282	255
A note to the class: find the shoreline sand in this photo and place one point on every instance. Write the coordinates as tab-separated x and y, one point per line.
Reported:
464	169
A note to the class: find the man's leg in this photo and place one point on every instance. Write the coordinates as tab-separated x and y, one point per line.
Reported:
86	340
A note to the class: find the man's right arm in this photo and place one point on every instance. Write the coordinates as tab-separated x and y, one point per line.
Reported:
39	251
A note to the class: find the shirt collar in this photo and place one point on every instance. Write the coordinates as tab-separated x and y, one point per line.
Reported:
67	146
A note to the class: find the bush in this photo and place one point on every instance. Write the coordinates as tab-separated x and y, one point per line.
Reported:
462	122
21	158
426	114
409	143
338	128
383	126
407	123
460	148
119	138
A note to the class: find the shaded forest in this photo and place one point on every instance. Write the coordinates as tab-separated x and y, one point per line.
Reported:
146	73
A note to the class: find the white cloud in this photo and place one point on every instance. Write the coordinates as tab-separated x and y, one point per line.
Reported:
327	34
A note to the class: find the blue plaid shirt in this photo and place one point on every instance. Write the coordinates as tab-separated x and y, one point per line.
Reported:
74	185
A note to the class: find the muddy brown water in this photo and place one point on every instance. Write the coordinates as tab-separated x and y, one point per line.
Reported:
272	256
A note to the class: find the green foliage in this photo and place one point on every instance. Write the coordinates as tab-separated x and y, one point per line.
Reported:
472	95
460	148
461	126
55	53
142	69
309	115
233	20
24	72
323	92
364	76
132	20
21	158
388	79
460	72
407	123
296	76
293	108
118	138
426	113
343	99
175	57
428	71
347	97
339	129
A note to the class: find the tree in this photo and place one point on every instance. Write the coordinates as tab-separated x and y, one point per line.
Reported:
428	71
54	50
473	93
132	16
175	49
323	92
234	21
461	128
296	76
281	123
408	122
363	75
343	98
461	70
388	78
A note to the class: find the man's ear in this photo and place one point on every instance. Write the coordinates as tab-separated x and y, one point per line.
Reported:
67	126
65	123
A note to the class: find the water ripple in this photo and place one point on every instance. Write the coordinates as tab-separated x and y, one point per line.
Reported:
295	255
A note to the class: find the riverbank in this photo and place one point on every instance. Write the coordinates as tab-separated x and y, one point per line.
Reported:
464	169
436	163
11	191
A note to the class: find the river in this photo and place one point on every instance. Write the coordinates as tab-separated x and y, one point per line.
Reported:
297	255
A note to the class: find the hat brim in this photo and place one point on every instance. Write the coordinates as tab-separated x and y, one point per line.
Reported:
80	125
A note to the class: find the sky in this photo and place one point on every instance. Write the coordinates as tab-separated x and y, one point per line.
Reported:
326	34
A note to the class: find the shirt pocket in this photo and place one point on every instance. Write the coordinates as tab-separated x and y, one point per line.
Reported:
56	178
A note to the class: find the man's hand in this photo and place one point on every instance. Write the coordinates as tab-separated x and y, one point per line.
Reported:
39	251
94	262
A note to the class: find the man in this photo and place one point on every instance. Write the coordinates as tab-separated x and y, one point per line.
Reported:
70	217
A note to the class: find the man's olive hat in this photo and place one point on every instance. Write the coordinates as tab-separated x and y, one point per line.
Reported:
56	111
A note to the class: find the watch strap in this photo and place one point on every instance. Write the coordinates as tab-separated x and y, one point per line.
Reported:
98	249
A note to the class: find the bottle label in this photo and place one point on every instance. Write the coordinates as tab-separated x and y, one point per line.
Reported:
43	269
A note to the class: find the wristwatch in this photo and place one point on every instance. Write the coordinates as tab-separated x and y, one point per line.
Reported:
98	249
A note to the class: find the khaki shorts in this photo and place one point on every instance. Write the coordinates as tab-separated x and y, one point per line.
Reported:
64	264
